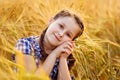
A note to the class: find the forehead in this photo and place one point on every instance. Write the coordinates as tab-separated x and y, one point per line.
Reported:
70	24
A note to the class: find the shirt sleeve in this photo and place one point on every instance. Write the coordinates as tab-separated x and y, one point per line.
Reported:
24	46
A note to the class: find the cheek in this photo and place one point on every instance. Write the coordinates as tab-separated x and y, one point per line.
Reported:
66	39
54	28
51	30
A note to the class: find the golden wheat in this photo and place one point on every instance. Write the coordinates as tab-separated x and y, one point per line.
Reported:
97	52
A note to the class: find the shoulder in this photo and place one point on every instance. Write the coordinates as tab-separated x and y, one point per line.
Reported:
28	39
26	44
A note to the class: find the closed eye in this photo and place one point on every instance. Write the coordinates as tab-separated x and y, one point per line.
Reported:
61	26
69	35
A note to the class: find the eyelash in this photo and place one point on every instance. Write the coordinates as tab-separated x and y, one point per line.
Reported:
61	26
68	34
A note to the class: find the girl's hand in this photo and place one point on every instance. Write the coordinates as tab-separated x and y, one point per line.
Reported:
64	50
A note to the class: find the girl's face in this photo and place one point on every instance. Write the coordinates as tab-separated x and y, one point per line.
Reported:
61	30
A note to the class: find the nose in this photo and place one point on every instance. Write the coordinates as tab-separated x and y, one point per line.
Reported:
60	34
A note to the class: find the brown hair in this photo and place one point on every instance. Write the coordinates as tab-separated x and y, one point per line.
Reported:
63	13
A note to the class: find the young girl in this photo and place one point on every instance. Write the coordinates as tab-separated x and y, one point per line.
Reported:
53	48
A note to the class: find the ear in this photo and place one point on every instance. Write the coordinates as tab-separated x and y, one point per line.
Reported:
51	20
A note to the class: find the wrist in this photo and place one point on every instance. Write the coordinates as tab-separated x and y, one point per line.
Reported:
63	57
55	54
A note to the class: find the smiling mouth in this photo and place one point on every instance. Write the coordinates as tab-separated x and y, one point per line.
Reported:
56	37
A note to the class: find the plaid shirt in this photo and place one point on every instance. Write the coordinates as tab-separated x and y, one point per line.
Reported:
30	46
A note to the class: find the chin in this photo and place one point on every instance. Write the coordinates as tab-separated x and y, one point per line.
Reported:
52	42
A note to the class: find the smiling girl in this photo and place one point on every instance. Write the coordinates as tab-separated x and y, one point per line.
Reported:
53	48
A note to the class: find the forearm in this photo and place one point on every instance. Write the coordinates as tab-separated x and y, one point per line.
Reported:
48	64
63	71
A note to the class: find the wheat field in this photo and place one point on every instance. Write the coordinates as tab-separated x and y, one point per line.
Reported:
97	51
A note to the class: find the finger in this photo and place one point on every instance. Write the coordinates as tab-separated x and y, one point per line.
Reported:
73	42
70	44
66	51
67	47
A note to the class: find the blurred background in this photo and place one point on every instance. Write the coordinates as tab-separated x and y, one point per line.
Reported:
97	51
